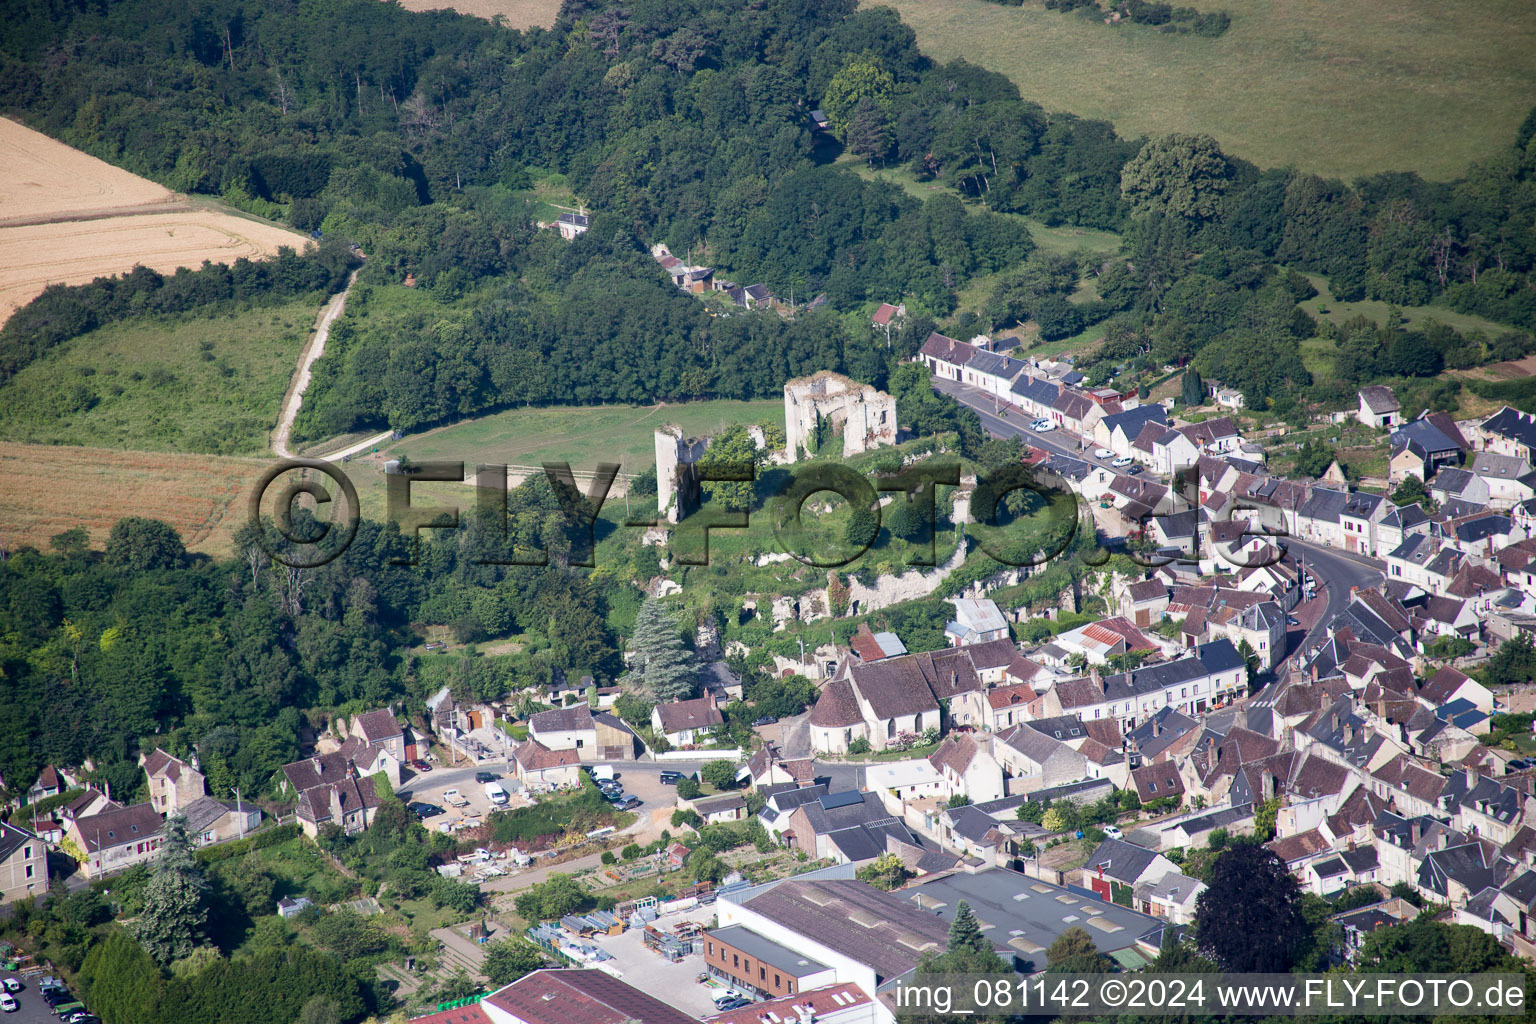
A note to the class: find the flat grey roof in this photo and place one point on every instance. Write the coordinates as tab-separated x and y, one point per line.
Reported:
780	958
1027	914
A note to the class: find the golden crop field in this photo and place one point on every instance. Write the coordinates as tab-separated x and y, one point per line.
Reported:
67	217
517	14
47	489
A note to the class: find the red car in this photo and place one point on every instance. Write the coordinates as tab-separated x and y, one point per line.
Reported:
421	766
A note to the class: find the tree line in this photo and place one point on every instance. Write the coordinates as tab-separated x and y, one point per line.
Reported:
414	135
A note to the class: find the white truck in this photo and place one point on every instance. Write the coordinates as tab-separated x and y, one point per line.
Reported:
602	772
495	793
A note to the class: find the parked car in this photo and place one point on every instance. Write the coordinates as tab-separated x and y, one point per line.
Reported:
1122	461
726	997
629	803
8	1003
613	795
421	766
486	777
1044	426
765	720
1112	831
453	798
733	1004
1133	470
79	1017
56	996
13	985
1103	453
424	810
670	778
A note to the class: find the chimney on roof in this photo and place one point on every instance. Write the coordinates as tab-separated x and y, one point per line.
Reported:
1314	671
1471	776
1416	831
1333	721
1157	726
1445	838
1349	735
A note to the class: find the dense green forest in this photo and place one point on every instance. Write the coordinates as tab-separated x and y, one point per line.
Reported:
417	135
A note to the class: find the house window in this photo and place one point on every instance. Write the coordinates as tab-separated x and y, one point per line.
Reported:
29	870
27	855
735	961
776	982
762	973
711	949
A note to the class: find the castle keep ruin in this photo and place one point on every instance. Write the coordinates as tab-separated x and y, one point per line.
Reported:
677	474
827	405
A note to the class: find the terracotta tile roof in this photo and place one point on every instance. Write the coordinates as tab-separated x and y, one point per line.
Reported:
1000	697
1299	846
119	826
566	996
377	726
681	715
1146	590
534	756
955	753
459	1015
836	707
575	718
160	763
1403	773
1155	781
818	1002
1440	687
865	645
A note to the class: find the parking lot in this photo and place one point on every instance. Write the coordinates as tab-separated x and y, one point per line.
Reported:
639	780
33	1009
674	983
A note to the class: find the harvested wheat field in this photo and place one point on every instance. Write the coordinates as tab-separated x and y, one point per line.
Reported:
46	180
47	489
67	218
75	251
517	14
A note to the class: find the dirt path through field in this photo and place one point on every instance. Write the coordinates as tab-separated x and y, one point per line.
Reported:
314	350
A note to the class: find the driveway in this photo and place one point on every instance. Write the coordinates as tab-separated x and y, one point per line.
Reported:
795	736
674	983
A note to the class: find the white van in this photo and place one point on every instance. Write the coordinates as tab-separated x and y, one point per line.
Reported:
495	794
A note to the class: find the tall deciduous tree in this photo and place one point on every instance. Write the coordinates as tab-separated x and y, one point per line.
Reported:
732	447
171	923
1249	919
1075	952
863	77
510	959
1180	175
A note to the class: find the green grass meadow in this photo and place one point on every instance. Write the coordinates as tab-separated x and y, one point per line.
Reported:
1339	87
210	384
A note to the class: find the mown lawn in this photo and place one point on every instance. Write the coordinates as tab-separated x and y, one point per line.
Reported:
1339	87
